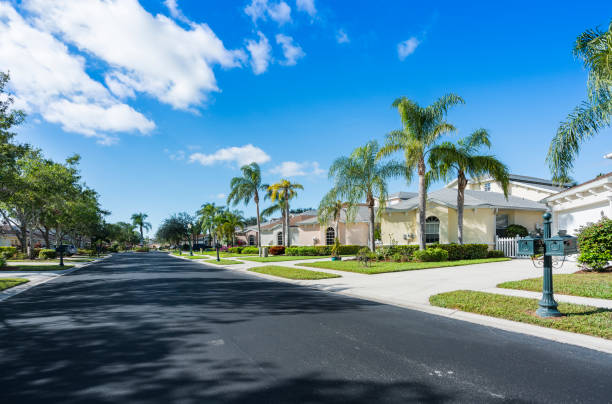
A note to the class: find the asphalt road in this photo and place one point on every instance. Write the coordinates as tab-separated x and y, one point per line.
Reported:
141	328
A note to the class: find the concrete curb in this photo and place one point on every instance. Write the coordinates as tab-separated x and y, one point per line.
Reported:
14	291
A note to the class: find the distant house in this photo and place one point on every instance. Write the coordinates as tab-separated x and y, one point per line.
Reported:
582	204
487	212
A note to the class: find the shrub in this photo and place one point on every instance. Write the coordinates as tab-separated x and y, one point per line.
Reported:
349	249
249	250
142	249
323	250
406	251
431	255
85	251
397	257
277	250
495	254
114	248
235	250
516	230
2	261
595	244
8	252
20	256
464	251
292	251
46	254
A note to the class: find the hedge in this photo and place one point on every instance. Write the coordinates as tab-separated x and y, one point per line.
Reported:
84	251
495	254
8	252
435	254
595	244
319	250
235	250
249	250
46	254
464	251
277	250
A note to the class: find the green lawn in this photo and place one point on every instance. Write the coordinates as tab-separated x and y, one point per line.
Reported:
35	268
292	272
6	283
597	285
208	254
223	262
383	267
196	257
279	258
577	318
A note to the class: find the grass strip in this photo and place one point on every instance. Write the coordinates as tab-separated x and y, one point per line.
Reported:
577	318
280	258
597	285
292	272
384	267
25	268
222	262
6	283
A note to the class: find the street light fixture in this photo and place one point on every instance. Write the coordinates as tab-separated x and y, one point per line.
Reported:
190	240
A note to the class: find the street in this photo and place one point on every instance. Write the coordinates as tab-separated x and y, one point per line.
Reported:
141	328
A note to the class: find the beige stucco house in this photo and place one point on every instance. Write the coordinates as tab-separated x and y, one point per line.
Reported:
487	212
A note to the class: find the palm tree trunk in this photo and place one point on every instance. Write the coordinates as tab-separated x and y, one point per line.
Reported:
422	203
288	243
372	224
461	184
258	221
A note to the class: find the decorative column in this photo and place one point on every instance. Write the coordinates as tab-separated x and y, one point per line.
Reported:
548	305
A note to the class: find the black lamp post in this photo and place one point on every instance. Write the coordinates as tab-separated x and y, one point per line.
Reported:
190	240
217	247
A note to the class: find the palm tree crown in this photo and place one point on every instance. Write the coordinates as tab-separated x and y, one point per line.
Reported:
247	187
594	47
285	190
331	208
206	220
138	219
463	160
422	128
360	177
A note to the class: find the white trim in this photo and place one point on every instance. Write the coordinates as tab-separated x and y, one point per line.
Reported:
579	189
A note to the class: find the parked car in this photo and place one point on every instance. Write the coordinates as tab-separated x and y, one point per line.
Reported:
69	249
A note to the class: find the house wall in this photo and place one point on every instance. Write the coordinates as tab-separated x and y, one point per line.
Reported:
515	189
394	225
478	226
571	218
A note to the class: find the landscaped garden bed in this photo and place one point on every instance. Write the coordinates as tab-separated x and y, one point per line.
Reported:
576	318
280	258
593	284
292	273
384	267
222	262
7	283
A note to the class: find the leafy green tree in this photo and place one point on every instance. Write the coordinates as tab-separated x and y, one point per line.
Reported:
422	128
285	190
361	176
139	220
277	207
331	208
463	160
9	151
247	187
206	218
594	47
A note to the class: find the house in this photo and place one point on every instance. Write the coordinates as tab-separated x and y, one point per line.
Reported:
247	236
582	204
486	214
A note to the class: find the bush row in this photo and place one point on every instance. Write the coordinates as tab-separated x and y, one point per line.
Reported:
47	254
8	252
321	250
455	251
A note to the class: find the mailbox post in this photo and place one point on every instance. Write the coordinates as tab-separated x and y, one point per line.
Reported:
60	249
559	245
217	246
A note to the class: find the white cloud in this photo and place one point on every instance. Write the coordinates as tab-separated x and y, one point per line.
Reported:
178	155
261	53
221	196
239	155
407	47
291	52
175	11
145	53
307	6
295	169
342	37
259	9
48	80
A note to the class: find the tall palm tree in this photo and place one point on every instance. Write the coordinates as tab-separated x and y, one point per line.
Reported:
361	176
247	187
286	190
463	160
277	207
331	208
594	47
207	214
422	127
138	219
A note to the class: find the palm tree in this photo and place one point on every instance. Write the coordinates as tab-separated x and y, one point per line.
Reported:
362	176
422	127
247	187
331	208
277	207
207	214
286	190
594	47
138	219
462	160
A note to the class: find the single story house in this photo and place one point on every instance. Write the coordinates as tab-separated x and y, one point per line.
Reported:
582	204
486	213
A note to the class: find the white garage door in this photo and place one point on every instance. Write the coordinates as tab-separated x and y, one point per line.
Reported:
572	219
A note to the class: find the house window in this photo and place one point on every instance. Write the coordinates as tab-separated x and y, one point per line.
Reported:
432	229
501	224
279	238
487	186
251	240
330	236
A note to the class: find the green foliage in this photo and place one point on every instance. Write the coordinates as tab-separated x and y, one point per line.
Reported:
250	250
335	250
2	261
142	249
514	230
595	244
292	273
277	250
431	255
495	254
6	283
47	254
464	251
235	250
8	252
591	284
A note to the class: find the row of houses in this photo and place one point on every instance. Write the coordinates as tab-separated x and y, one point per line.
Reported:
487	213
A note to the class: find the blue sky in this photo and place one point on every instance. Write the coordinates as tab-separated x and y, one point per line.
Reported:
164	99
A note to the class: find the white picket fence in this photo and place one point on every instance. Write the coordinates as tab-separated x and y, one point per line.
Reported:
509	245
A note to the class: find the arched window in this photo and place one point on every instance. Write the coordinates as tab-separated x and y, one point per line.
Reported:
432	229
330	236
279	238
251	240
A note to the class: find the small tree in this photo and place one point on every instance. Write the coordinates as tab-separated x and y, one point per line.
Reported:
595	244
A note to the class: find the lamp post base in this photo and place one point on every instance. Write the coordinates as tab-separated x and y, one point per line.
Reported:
548	307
